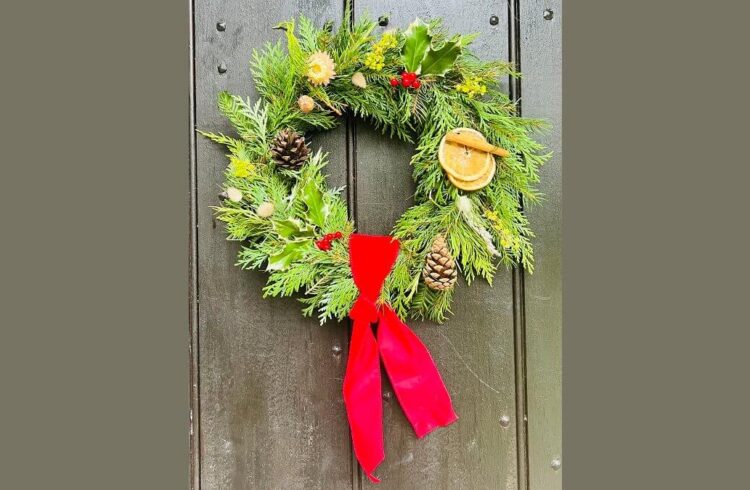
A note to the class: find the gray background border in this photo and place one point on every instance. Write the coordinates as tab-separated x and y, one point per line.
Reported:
655	264
94	192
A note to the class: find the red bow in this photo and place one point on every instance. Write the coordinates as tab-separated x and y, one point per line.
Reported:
412	372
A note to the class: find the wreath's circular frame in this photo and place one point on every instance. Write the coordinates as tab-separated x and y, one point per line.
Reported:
283	216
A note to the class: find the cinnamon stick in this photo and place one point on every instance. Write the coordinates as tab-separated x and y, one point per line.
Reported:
473	142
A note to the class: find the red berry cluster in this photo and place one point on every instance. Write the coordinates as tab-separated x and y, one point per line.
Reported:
408	79
325	242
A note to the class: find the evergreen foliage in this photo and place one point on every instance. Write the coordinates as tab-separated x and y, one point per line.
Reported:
483	229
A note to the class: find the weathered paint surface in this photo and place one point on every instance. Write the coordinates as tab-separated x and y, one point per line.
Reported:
268	411
474	349
541	63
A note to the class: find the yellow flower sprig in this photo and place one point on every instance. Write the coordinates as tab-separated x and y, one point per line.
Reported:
375	59
506	239
241	168
472	86
387	41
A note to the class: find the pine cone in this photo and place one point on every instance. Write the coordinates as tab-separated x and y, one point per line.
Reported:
439	271
289	150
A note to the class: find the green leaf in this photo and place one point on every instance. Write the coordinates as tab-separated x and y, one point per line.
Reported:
317	211
291	252
417	40
292	228
438	62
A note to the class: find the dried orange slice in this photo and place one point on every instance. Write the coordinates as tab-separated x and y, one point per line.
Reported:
462	162
473	185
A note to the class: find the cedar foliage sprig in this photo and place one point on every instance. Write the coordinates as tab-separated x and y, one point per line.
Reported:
483	229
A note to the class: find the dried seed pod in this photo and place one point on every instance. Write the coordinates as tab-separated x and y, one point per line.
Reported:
265	210
306	104
358	80
234	195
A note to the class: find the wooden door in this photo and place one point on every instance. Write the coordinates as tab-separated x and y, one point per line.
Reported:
267	411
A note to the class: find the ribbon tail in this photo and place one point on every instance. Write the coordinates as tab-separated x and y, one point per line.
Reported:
362	396
416	381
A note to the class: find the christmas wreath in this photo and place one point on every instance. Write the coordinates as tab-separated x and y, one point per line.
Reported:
475	163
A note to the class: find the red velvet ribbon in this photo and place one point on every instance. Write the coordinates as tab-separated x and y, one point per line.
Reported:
415	379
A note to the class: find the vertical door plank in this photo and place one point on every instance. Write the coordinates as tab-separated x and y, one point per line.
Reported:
474	349
541	91
271	413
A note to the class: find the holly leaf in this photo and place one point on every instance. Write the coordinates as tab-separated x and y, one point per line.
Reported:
292	228
317	210
291	252
439	61
417	40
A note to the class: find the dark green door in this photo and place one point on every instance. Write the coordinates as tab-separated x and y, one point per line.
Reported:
267	410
